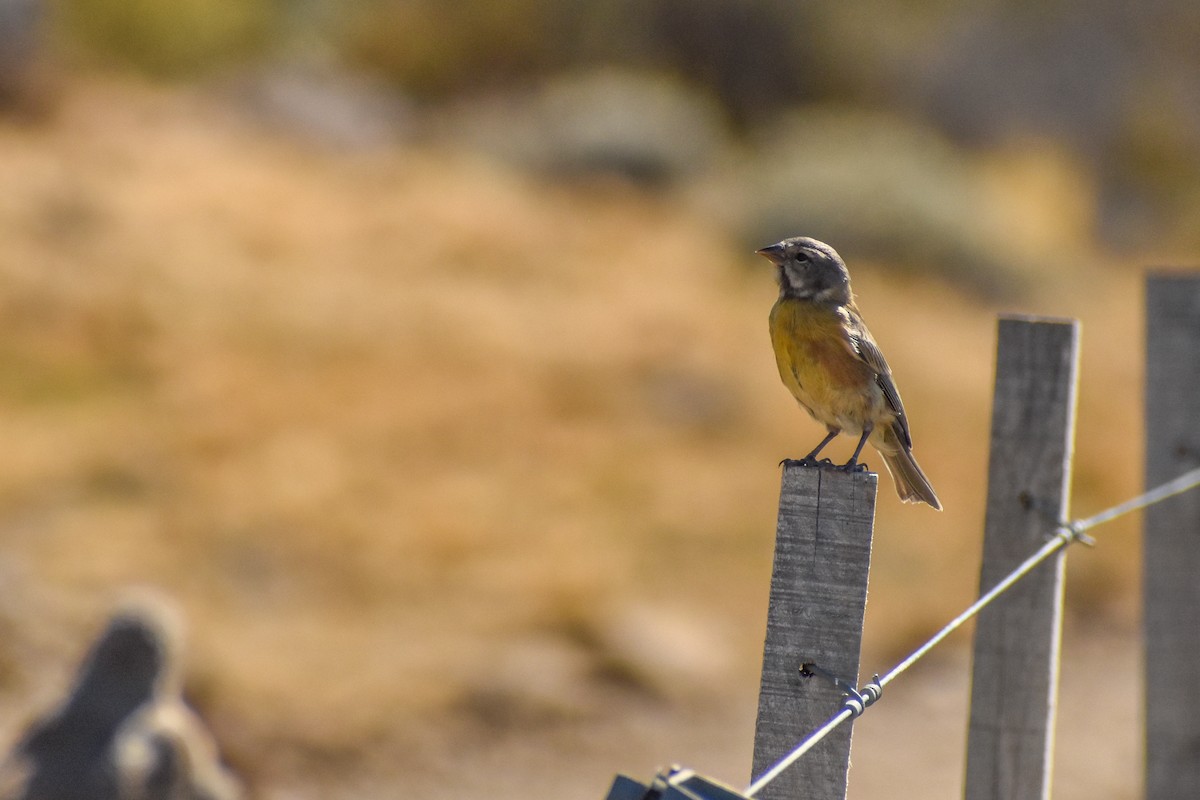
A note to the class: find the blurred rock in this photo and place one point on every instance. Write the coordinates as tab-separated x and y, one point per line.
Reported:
325	106
640	126
534	681
662	648
123	733
590	657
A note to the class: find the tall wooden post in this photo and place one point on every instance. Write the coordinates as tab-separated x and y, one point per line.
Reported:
1015	668
818	597
1171	538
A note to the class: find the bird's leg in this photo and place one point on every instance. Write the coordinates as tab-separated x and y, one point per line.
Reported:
810	460
852	465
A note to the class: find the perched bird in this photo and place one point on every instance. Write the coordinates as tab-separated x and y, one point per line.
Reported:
832	366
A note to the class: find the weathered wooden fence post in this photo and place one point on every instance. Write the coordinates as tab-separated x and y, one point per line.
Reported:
818	596
1171	538
1015	667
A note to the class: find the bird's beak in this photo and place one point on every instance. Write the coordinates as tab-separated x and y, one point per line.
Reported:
773	253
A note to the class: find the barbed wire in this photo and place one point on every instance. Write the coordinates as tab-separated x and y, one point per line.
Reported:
1067	533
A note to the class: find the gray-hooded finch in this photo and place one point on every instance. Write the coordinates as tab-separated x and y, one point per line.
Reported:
832	366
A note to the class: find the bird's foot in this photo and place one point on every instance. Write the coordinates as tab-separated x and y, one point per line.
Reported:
853	466
808	461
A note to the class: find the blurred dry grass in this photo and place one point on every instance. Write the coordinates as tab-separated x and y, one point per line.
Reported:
439	459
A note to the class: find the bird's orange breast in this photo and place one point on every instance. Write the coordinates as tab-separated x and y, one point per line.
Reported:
820	367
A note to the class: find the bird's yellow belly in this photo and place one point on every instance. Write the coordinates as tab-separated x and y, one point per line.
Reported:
821	369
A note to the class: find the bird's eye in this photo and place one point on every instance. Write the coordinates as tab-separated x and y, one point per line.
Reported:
802	257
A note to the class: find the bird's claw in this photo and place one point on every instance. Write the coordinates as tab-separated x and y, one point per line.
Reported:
853	466
807	461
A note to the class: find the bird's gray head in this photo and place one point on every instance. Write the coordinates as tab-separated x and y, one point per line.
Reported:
809	270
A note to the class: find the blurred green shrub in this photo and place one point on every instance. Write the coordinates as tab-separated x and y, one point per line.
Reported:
645	127
876	185
169	37
985	72
435	48
750	55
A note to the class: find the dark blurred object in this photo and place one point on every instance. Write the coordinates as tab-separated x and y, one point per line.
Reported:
675	783
753	56
23	83
645	127
123	732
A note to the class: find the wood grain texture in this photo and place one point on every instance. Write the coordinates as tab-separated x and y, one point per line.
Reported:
1015	667
1171	538
818	597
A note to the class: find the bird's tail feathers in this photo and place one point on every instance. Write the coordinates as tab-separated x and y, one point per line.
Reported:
911	483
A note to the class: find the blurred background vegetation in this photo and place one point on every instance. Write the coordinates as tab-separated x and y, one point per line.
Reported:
1110	85
417	350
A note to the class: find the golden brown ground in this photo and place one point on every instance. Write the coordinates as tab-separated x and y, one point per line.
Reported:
451	470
